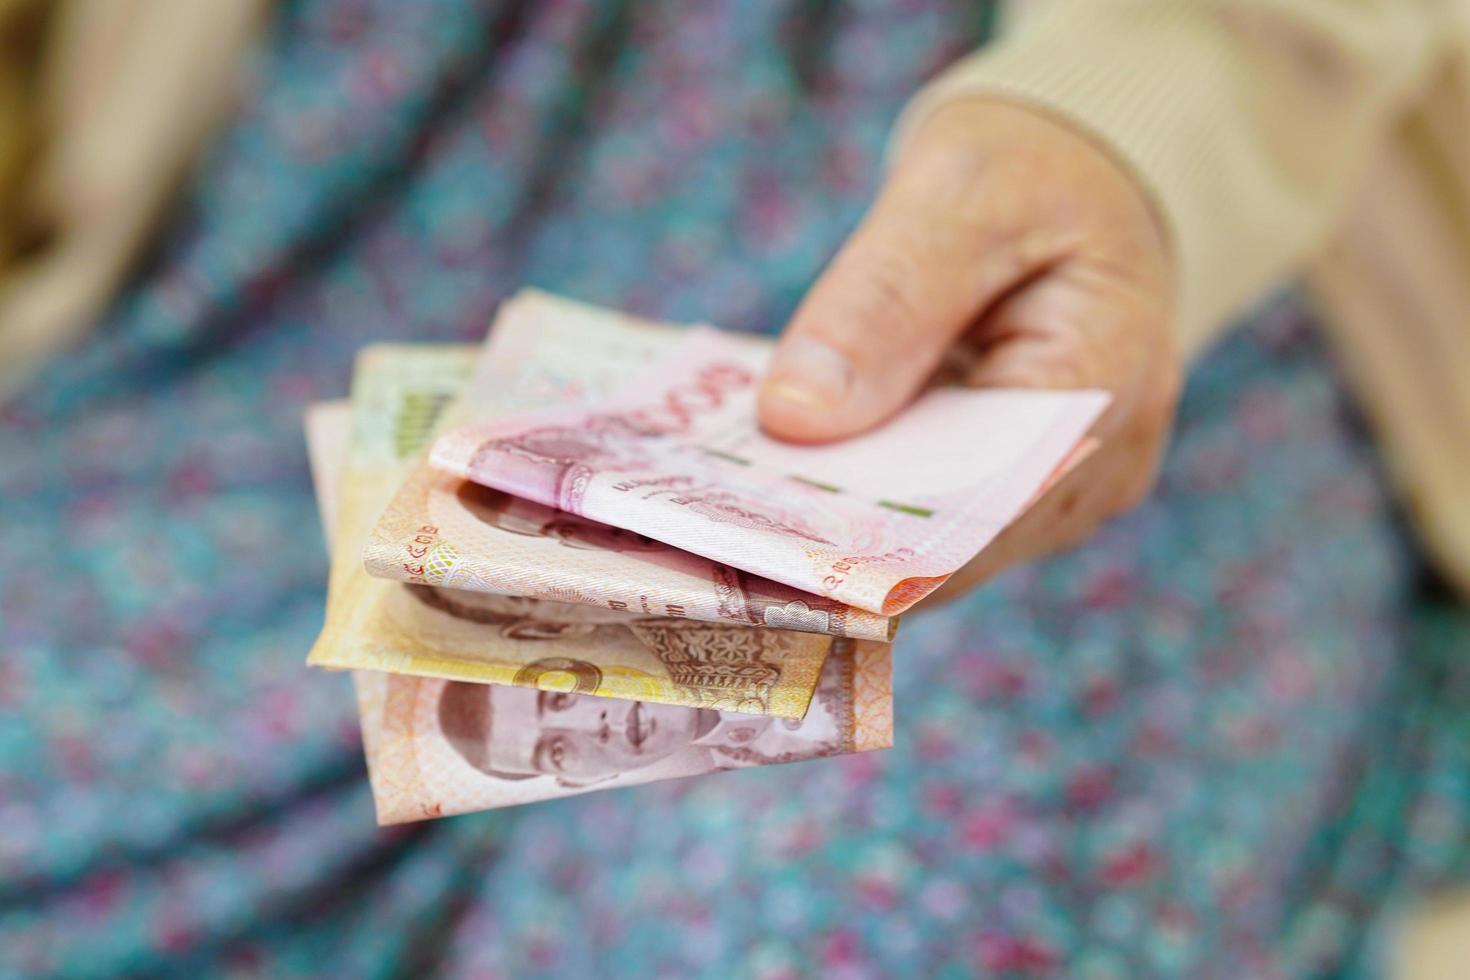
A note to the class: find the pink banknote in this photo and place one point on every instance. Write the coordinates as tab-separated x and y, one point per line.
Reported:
439	530
876	522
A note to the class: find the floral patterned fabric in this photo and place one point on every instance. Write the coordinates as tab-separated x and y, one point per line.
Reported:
1219	740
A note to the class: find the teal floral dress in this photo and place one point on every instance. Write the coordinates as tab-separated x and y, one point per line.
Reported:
1223	739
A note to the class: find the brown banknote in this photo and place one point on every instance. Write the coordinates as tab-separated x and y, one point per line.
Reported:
437	747
416	629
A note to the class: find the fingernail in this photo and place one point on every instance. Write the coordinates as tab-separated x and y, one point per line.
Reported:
810	374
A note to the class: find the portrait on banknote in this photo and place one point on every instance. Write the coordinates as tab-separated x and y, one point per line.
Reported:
575	740
520	516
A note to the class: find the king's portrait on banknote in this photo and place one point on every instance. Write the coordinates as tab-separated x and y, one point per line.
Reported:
437	747
576	740
520	516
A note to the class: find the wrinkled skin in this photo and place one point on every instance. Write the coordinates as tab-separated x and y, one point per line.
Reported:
1010	247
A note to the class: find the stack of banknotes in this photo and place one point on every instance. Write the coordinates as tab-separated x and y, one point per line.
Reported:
569	560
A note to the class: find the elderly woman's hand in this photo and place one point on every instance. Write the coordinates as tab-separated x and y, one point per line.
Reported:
1004	233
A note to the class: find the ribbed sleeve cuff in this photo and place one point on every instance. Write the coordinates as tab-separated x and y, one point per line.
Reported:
1149	82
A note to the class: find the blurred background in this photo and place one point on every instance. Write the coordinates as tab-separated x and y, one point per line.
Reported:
103	108
206	207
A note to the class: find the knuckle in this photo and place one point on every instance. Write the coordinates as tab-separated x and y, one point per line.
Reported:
1045	363
877	293
1069	367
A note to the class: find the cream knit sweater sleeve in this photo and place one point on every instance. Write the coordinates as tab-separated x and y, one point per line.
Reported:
1247	121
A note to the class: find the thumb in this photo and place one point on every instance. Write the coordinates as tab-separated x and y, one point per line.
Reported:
933	253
